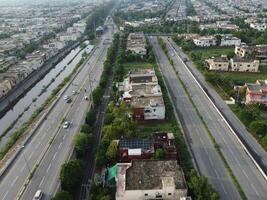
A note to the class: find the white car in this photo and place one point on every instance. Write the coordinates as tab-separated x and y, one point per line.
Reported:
66	97
86	98
38	195
66	124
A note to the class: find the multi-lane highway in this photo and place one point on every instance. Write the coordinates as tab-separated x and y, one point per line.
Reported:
208	161
249	177
52	154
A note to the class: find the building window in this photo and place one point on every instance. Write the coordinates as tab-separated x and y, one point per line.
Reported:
169	194
146	194
158	196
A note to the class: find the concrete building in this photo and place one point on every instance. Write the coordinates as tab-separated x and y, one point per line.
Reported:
205	41
139	149
228	40
141	91
258	26
150	179
258	52
136	43
256	92
218	63
244	64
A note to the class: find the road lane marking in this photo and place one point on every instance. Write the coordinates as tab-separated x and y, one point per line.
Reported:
54	156
244	172
22	168
64	136
59	146
14	181
254	188
4	197
48	168
223	188
216	173
41	182
31	155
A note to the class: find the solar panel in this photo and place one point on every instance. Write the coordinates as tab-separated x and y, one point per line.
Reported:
135	143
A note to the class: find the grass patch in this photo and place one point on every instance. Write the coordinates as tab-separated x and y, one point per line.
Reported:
209	52
136	65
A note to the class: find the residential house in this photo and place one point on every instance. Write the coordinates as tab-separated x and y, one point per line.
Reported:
136	43
141	91
258	52
150	179
218	63
229	40
136	149
244	64
256	92
258	26
205	41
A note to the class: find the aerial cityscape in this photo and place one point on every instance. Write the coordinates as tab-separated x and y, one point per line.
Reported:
133	99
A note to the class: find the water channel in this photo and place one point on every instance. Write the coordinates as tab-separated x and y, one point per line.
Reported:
37	95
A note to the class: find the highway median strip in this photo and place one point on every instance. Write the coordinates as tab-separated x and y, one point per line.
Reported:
215	144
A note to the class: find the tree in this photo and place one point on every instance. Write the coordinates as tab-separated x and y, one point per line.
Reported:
112	151
246	116
90	117
106	197
62	195
258	127
160	154
71	175
97	95
218	39
81	142
264	141
86	128
200	188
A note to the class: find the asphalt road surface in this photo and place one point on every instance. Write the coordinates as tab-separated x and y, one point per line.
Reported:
249	177
207	160
46	176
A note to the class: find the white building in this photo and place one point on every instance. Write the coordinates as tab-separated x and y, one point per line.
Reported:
205	41
259	26
69	37
150	179
228	40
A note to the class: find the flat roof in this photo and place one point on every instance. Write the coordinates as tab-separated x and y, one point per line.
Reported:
148	174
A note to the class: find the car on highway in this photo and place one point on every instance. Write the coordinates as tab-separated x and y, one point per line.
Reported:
86	98
66	124
66	97
38	195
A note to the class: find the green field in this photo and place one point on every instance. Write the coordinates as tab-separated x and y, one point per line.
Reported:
209	52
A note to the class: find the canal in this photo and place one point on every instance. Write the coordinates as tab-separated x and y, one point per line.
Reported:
37	95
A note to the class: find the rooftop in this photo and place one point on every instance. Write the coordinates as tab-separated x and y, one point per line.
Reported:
144	144
149	174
